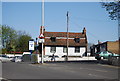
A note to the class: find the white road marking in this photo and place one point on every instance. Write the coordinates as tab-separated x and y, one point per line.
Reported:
1	78
98	76
4	79
94	69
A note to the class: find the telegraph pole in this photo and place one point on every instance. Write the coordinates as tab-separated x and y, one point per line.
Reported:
119	32
118	4
67	35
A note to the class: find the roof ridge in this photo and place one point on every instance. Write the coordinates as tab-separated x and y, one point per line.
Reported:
64	32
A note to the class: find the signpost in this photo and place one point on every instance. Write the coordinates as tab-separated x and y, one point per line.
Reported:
41	40
31	47
41	37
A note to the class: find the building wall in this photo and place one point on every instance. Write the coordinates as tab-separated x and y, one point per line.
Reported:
103	47
106	46
71	51
113	47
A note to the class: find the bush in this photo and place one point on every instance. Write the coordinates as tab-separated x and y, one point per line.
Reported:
4	51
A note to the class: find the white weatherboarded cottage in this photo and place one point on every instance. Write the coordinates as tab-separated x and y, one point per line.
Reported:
56	42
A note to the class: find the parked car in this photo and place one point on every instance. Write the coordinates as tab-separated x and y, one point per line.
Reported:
4	58
104	55
17	59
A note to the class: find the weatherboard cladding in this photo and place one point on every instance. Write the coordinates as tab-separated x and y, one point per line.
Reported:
62	41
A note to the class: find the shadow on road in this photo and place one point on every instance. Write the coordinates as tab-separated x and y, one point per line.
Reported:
104	62
81	62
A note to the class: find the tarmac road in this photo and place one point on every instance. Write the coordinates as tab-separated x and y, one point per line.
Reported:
60	70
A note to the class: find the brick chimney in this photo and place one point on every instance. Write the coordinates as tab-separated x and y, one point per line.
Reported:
99	42
84	31
42	28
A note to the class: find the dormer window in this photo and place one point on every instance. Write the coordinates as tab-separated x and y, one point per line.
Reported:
77	40
53	39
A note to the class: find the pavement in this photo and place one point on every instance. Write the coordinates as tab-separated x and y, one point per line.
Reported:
70	59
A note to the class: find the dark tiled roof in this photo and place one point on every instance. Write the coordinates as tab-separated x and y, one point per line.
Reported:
64	34
63	42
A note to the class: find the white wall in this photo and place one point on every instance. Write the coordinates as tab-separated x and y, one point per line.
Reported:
59	51
12	55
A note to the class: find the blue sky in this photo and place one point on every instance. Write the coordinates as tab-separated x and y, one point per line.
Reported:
26	16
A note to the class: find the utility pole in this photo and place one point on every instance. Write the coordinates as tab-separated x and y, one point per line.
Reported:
118	4
67	35
119	32
42	61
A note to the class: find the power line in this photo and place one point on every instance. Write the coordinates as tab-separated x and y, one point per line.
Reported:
94	36
91	19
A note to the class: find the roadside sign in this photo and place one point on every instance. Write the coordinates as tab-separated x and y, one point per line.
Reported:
31	45
41	36
41	40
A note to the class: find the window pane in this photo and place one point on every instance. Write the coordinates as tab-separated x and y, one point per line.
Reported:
53	39
64	49
53	49
77	49
77	40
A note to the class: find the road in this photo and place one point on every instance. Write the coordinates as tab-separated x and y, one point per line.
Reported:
59	70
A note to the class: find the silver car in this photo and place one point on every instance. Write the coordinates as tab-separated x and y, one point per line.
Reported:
17	59
4	58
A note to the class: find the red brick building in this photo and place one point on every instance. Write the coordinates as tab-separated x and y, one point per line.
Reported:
112	46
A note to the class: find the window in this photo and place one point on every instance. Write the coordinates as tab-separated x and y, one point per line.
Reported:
53	39
53	49
77	49
64	49
77	40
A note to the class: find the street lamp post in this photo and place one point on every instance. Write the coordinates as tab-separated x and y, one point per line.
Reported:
42	30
